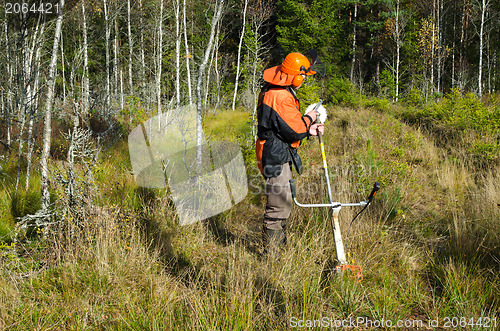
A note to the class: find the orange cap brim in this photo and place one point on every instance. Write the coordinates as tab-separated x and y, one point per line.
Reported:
275	76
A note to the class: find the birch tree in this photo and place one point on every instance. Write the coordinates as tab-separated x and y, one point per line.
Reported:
396	28
257	47
177	53
130	49
238	59
86	87
159	55
201	70
483	6
34	100
143	56
188	55
106	43
353	59
8	93
48	112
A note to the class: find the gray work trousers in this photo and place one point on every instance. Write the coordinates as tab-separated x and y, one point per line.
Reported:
279	198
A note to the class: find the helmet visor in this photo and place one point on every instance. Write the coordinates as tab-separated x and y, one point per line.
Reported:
317	67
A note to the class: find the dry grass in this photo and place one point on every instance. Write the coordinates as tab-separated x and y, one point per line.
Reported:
428	247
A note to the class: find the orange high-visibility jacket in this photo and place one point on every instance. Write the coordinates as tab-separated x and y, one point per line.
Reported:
281	128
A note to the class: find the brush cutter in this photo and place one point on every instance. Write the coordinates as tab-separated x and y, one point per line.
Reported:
335	208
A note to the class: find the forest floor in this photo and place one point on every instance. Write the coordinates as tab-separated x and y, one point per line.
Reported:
429	245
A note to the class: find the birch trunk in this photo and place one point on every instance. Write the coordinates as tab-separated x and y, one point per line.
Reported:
122	103
453	47
130	49
398	48
62	71
48	110
159	59
484	5
433	42
28	97
177	54
216	66
188	55
34	107
115	58
199	132
462	47
8	94
207	88
143	61
106	42
238	59
353	60
86	87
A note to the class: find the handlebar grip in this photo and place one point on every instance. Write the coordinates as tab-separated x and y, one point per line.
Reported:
292	187
376	187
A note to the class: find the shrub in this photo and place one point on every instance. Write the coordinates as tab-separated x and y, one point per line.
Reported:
340	91
414	98
379	104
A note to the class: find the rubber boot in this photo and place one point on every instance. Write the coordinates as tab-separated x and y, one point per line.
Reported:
272	239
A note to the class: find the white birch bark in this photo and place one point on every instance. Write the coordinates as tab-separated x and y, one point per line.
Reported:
461	74
34	106
122	103
207	88
8	94
106	42
177	54
143	56
188	55
238	59
433	42
484	8
216	66
48	112
63	71
199	131
159	59
398	48
115	57
353	60
86	87
130	49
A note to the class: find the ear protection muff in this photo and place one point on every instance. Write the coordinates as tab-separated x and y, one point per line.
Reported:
297	81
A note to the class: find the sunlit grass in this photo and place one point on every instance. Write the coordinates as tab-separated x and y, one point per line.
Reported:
428	245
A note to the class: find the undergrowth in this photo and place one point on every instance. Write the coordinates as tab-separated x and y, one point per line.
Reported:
428	245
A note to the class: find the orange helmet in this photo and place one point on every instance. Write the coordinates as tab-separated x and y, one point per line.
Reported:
290	71
296	64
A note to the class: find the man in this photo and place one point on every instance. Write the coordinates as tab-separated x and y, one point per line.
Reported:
281	128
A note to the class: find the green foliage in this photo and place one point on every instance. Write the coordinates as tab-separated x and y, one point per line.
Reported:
387	84
414	98
303	25
340	91
379	104
308	93
133	114
459	120
228	126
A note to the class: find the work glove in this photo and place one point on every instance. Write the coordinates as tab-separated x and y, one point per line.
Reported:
321	112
